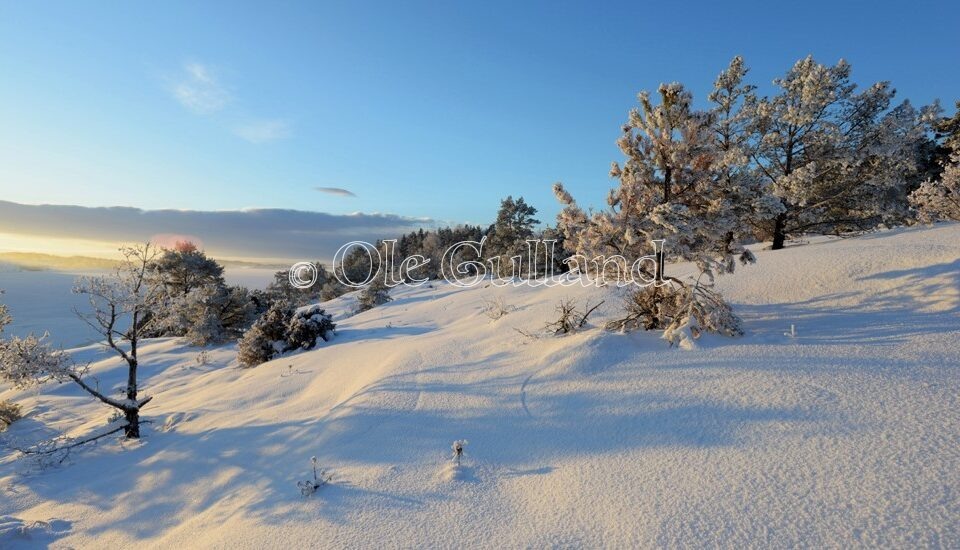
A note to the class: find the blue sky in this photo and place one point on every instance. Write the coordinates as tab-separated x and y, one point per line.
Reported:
420	109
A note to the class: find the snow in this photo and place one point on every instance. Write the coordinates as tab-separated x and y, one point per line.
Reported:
847	434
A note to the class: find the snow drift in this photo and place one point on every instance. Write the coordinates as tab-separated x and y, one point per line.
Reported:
845	432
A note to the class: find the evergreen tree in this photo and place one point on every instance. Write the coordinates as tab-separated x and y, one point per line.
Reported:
674	185
940	200
827	152
183	268
507	236
749	204
374	294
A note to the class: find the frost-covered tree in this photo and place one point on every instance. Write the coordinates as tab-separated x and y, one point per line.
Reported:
9	412
207	314
670	187
193	299
374	294
938	197
358	265
676	184
183	268
944	138
749	204
828	153
118	307
940	200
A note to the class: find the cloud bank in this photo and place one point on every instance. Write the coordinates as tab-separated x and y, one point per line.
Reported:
251	233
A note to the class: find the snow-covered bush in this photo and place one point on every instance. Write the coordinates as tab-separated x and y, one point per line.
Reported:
307	325
267	337
321	478
281	329
374	294
682	313
9	413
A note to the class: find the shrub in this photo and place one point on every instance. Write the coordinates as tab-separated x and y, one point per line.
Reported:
267	337
306	326
571	318
281	329
457	449
496	308
321	478
683	314
9	413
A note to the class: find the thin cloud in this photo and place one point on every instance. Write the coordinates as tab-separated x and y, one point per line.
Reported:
262	131
338	191
199	90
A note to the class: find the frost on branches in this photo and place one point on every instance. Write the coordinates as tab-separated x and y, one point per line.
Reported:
938	197
940	200
281	329
682	181
836	159
118	310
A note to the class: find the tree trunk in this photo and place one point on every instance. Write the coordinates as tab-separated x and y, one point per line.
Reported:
132	429
779	234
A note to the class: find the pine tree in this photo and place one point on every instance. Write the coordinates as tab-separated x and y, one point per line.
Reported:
507	236
938	197
940	200
670	187
830	155
183	268
675	185
374	294
749	204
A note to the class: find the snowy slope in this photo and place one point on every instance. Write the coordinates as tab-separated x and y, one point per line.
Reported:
846	435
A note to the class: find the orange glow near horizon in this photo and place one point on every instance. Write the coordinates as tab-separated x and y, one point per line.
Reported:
58	246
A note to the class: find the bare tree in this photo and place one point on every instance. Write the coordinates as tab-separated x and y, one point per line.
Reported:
119	308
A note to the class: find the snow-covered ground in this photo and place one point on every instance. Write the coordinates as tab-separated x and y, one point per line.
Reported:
847	434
